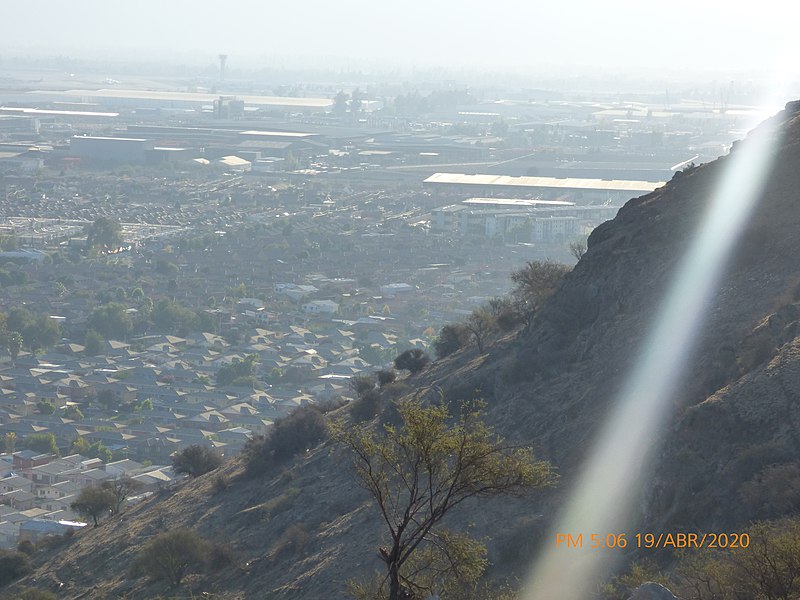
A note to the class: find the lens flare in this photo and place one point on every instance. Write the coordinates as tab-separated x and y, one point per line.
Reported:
610	481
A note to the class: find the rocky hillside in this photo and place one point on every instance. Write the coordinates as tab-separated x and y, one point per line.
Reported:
732	453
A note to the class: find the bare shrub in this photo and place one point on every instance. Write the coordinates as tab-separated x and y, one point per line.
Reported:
366	406
196	460
302	429
171	556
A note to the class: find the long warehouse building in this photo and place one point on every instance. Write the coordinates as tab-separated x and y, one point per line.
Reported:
168	99
552	187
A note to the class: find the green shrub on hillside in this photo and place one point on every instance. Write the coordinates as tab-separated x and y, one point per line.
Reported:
413	360
13	565
171	556
366	406
196	460
302	429
451	338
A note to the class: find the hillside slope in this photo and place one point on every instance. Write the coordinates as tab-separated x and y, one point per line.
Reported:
732	452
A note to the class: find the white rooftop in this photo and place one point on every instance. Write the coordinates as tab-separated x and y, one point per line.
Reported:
621	185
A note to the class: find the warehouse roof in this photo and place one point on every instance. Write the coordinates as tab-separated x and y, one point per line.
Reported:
288	134
25	111
516	202
107	139
193	97
234	161
545	182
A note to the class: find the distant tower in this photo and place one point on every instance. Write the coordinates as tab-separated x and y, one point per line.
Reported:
223	58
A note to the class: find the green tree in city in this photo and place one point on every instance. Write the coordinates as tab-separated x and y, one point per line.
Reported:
111	320
93	343
72	412
239	372
166	268
170	316
10	442
37	331
43	407
91	450
8	242
104	232
356	104
13	342
41	442
340	104
44	333
107	399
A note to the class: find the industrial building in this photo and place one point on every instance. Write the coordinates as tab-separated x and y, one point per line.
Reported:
21	158
120	150
184	100
18	123
519	219
585	190
221	140
110	149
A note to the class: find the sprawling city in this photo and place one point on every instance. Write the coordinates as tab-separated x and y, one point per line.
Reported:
232	295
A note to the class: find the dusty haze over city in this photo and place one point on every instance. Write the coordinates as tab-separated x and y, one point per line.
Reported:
239	238
675	37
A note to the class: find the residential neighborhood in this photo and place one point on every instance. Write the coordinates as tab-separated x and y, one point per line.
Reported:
184	268
38	489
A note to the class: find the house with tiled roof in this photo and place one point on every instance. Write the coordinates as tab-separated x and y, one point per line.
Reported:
153	480
9	532
119	468
18	499
88	478
27	459
158	449
15	482
74	387
210	420
60	489
36	529
257	424
207	340
147	428
47	474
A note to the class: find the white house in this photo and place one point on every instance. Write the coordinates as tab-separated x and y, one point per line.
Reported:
235	163
295	292
326	307
251	303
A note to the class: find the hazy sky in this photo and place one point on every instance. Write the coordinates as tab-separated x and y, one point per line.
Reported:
677	34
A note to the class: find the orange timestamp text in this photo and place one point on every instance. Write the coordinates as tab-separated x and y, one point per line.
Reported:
653	541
